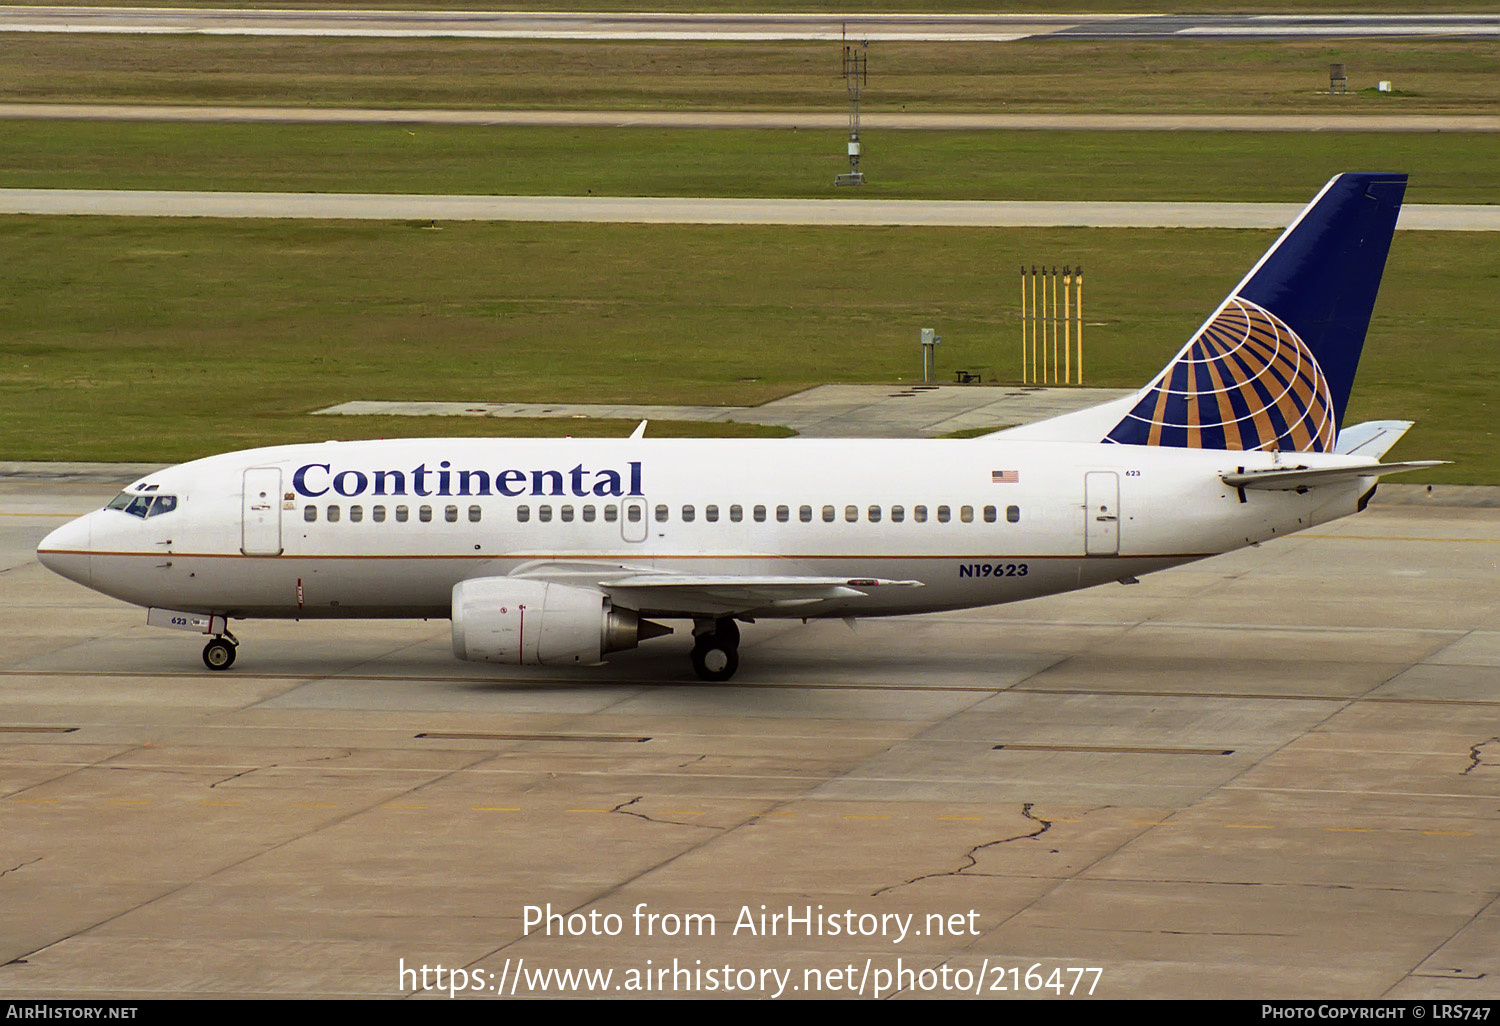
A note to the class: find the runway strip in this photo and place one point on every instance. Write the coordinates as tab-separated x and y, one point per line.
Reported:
692	210
738	27
762	119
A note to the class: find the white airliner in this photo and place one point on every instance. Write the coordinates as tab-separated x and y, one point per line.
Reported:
560	551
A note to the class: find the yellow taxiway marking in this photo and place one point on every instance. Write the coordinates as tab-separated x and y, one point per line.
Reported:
864	815
1350	830
495	808
35	801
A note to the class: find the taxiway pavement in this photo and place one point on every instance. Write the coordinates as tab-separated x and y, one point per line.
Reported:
694	210
742	27
1271	774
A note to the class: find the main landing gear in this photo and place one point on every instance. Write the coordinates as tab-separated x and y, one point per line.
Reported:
218	654
716	649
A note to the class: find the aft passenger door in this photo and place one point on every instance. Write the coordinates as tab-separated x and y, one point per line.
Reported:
261	533
1101	513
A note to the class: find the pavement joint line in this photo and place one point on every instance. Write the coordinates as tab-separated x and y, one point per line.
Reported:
1019	688
785	815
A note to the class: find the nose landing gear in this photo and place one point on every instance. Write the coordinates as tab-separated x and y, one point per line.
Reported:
218	654
716	649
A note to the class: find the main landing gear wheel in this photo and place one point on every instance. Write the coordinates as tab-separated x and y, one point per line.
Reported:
218	654
716	652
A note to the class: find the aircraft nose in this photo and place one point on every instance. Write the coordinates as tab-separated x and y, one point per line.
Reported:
68	549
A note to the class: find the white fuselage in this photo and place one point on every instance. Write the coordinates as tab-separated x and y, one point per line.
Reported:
999	520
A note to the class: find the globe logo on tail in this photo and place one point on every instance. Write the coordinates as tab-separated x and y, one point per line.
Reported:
1246	381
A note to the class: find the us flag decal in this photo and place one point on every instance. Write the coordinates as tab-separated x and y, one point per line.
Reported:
1005	477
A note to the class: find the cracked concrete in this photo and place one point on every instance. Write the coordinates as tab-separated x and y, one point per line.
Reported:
972	855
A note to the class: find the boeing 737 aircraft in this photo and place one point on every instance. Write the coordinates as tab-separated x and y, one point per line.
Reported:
559	551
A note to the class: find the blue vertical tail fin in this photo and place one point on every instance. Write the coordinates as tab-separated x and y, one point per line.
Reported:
1273	367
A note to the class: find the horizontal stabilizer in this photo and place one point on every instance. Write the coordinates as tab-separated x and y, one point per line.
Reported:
1373	438
1303	478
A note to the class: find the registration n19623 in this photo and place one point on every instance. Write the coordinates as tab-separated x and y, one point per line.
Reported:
992	570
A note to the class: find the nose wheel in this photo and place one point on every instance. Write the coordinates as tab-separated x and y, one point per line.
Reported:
716	650
218	654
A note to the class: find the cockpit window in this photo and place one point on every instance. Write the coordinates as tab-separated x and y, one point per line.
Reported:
143	506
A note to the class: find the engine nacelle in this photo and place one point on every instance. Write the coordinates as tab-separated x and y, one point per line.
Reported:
527	622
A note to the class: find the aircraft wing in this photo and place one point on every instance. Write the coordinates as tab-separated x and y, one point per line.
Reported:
729	593
706	594
1303	478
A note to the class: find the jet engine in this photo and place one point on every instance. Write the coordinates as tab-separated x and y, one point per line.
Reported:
529	622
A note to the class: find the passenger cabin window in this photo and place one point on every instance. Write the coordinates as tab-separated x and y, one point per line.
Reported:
919	514
523	514
402	514
966	514
687	514
565	514
424	514
474	514
989	514
356	514
711	514
333	514
1013	514
377	514
944	514
898	514
851	514
874	514
634	514
309	513
544	514
588	514
804	513
759	513
612	513
450	514
783	514
736	514
662	512
827	514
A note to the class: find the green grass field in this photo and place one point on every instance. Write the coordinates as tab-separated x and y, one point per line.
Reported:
1277	166
142	339
1041	76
